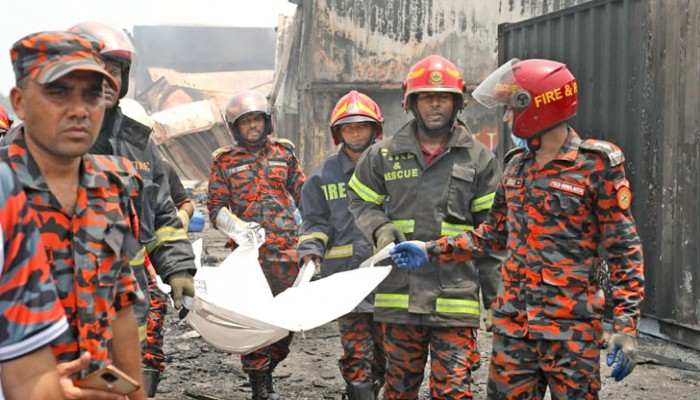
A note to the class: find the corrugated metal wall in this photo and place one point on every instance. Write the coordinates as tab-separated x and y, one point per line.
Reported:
369	45
638	67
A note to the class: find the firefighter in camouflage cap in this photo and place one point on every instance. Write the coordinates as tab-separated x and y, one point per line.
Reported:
83	204
251	188
561	201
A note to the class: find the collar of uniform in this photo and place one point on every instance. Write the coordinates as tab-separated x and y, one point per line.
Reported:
405	141
240	149
132	131
28	172
569	150
345	161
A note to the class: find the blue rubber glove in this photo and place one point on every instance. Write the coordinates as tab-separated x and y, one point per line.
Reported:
196	222
623	356
409	255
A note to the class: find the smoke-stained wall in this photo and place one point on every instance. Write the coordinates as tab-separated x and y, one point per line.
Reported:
370	46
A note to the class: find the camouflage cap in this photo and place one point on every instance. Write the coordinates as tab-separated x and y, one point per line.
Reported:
47	56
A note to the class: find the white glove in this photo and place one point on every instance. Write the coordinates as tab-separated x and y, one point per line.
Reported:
243	233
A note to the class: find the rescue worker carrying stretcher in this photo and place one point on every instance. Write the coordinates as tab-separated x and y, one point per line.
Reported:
251	187
431	178
330	237
561	200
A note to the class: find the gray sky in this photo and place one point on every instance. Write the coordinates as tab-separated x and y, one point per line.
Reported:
22	17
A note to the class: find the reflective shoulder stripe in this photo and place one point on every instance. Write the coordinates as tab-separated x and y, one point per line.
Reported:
389	300
314	235
483	203
457	306
167	234
449	229
339	252
406	225
364	192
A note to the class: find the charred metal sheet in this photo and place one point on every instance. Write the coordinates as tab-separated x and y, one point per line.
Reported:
637	66
187	135
172	88
339	45
226	82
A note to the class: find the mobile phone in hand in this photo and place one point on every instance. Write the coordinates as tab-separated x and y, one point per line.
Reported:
109	379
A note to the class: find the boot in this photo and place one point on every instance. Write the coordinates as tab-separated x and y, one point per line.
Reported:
270	389
151	377
360	391
258	384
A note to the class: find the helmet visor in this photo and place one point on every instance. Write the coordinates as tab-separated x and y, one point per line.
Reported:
499	88
354	118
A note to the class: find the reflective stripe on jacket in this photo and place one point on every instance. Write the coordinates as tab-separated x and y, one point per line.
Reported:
161	230
392	183
328	229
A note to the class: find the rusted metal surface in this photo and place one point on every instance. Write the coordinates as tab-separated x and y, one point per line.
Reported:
370	45
637	64
172	88
188	134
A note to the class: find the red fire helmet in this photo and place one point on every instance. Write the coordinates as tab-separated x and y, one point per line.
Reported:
356	107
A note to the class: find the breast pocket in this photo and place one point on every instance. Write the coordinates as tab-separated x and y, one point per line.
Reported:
121	247
570	212
278	170
461	192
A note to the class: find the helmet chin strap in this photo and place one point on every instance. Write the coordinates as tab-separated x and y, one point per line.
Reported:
534	143
359	148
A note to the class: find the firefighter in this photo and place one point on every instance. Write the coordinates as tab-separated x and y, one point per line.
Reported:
560	201
83	204
251	187
5	122
430	179
331	239
164	241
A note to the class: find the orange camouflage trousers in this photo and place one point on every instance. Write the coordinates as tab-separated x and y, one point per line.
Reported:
453	356
152	355
280	276
363	350
524	368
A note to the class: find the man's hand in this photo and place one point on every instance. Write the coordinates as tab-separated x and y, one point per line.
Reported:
410	255
242	232
317	263
623	355
182	284
72	392
388	233
488	320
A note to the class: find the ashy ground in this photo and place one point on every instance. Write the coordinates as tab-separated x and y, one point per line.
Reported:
195	370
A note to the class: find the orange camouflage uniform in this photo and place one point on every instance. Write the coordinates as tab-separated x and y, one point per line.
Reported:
260	188
88	250
30	314
554	220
